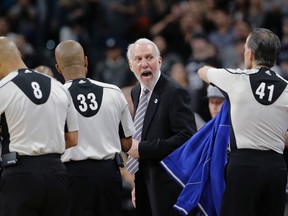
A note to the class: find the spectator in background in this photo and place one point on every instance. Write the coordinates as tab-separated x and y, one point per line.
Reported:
23	18
224	33
75	26
238	9
179	74
223	37
169	57
4	26
113	68
239	50
117	15
45	70
142	20
203	52
242	30
255	15
169	27
28	53
191	21
215	100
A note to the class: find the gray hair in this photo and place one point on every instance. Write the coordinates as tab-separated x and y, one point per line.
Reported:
265	45
141	41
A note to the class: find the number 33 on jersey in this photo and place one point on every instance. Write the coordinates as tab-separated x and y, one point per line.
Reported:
87	97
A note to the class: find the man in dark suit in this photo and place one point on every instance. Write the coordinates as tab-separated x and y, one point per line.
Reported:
168	123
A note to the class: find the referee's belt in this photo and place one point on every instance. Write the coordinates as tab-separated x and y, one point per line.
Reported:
12	158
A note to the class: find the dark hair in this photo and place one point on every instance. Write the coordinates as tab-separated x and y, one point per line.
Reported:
265	45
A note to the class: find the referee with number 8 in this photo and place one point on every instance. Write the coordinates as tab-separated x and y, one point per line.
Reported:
35	110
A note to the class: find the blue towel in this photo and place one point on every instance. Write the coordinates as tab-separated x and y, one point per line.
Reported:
198	166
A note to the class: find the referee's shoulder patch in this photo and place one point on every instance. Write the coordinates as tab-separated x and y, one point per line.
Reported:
266	86
87	96
35	86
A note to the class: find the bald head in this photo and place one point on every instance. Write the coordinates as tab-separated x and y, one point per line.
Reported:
71	60
8	47
10	57
69	53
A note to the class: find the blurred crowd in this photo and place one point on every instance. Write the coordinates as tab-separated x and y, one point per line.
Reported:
189	34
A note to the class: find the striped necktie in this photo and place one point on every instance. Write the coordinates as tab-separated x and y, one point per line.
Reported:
132	164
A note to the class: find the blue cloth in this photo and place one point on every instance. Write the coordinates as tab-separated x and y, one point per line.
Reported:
198	166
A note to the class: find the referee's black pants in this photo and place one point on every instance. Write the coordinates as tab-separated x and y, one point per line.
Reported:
36	186
255	184
95	188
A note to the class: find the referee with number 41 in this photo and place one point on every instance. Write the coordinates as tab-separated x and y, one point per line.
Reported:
35	110
256	173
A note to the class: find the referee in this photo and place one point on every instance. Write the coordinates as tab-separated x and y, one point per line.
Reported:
33	110
256	172
105	129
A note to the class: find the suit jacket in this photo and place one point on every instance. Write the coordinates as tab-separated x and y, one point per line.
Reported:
169	122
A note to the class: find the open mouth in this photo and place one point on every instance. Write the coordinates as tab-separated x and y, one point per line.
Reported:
146	73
